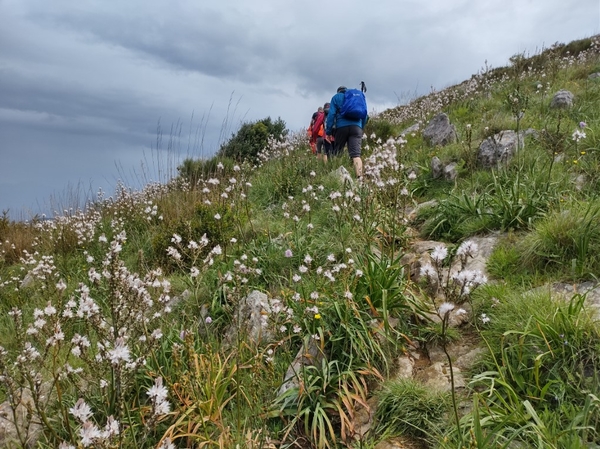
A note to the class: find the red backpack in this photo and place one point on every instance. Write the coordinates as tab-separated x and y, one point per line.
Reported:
317	128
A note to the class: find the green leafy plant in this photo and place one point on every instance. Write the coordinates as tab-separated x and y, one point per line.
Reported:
323	405
406	407
567	240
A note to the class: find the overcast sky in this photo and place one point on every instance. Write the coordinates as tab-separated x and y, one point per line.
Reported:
88	87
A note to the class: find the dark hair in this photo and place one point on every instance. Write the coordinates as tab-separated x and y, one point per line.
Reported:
341	89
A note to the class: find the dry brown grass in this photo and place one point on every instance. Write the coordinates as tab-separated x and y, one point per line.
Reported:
15	237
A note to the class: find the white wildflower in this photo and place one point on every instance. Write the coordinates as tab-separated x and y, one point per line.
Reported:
81	410
467	248
88	433
120	352
158	392
439	253
445	308
427	270
166	444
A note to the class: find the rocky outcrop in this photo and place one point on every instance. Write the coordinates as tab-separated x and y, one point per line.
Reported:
18	424
450	171
436	167
591	290
411	129
499	148
418	255
439	131
309	355
250	320
563	99
438	170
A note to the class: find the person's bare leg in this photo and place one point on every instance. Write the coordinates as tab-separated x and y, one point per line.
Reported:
358	166
324	158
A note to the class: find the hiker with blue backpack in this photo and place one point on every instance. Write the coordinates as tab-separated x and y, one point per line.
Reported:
345	122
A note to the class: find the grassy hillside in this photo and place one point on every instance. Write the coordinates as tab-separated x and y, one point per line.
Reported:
122	326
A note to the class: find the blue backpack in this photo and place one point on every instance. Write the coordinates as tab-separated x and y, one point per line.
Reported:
354	106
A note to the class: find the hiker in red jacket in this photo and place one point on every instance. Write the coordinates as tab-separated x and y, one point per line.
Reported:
316	130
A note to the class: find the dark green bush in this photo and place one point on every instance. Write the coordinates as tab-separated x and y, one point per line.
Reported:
251	138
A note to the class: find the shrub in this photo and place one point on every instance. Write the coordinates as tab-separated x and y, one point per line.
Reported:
544	361
566	241
218	231
383	129
193	170
251	138
281	178
321	409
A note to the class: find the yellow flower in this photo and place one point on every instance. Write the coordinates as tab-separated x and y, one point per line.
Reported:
574	162
582	153
318	316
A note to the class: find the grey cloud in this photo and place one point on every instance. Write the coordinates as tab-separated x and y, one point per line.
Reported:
214	43
61	106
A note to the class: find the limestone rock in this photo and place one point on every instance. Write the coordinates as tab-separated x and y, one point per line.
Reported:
405	367
21	422
438	170
563	99
27	281
436	167
499	148
413	212
411	129
591	290
451	171
311	355
437	376
485	247
249	320
439	131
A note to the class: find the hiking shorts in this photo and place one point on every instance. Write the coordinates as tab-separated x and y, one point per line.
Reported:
320	148
328	148
351	135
